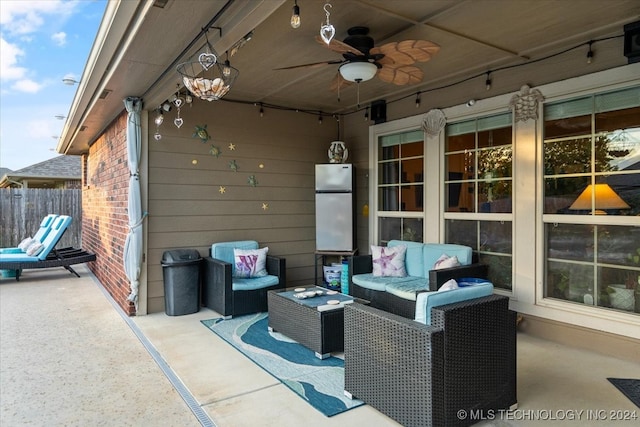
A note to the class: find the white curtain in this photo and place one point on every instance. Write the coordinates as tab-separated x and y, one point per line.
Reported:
132	257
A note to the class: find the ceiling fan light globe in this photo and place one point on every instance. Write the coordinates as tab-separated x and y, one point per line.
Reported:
358	71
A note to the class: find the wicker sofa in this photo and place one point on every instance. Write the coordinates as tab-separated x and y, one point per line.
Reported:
398	294
454	372
230	295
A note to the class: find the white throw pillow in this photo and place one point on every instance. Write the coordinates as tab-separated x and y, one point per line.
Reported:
389	262
24	245
446	261
250	262
34	249
449	285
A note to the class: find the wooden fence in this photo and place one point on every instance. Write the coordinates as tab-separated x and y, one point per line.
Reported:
22	210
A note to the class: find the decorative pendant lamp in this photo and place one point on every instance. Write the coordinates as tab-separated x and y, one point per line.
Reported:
205	77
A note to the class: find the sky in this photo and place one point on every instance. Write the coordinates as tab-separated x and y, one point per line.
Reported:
42	42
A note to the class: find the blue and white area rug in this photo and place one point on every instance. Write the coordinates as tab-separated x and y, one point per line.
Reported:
319	382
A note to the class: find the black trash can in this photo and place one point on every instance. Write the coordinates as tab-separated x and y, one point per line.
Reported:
181	273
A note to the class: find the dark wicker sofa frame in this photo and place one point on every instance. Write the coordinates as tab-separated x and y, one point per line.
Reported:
218	295
361	264
453	373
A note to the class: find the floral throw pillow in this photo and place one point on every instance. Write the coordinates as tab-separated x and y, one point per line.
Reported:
250	262
389	262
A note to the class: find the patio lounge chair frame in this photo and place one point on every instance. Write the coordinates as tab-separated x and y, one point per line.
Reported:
50	257
57	258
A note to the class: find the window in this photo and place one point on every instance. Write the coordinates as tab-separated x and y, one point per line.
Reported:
478	159
478	192
400	186
592	200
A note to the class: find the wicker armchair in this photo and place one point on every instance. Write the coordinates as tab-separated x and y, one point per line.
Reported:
231	296
454	372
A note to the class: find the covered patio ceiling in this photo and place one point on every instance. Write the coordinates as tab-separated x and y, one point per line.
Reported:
139	45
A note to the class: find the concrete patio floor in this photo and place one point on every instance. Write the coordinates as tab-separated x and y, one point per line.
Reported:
68	356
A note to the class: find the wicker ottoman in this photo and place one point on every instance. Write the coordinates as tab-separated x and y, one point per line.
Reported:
312	322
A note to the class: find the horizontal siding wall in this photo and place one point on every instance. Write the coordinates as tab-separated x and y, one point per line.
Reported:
187	209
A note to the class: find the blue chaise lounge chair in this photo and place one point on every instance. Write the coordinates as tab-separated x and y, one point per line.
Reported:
48	256
45	227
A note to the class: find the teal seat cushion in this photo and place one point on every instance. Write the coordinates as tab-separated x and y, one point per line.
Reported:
427	300
251	284
11	251
433	251
413	259
408	290
224	251
379	283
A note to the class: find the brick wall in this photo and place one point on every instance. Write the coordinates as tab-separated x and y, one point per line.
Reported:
104	209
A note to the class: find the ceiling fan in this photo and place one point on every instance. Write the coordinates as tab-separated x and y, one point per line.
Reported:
392	62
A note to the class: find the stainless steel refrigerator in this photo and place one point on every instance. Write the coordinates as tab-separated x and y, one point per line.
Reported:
335	214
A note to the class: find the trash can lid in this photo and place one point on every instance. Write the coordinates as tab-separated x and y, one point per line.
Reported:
179	256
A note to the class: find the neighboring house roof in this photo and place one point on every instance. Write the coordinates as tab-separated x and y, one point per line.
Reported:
60	168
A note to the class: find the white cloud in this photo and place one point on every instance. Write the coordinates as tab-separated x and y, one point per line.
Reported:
27	85
9	53
59	38
24	17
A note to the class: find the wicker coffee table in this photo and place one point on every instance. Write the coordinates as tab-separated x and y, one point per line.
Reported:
315	322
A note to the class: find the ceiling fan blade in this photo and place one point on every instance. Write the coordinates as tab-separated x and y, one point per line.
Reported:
400	74
338	46
311	65
408	51
338	82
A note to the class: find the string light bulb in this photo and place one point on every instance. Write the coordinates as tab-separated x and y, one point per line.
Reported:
366	114
226	68
418	100
261	111
295	16
590	54
487	82
159	118
320	119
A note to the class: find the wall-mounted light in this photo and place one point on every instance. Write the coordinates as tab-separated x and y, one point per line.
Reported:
69	81
295	15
